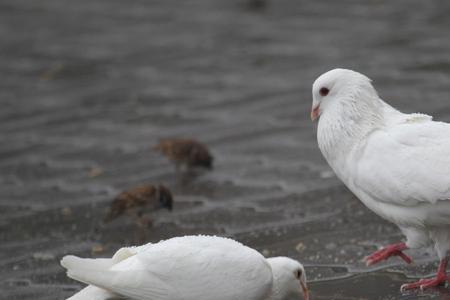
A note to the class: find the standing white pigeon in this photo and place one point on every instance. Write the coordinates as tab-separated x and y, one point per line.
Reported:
397	164
188	268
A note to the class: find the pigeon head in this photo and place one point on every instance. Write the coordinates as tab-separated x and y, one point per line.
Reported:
289	279
339	87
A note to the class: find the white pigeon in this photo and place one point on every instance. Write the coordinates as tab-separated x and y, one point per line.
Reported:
188	268
397	164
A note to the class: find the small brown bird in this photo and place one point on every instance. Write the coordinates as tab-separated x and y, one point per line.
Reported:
140	199
188	152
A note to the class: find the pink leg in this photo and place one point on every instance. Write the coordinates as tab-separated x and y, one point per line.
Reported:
388	251
440	279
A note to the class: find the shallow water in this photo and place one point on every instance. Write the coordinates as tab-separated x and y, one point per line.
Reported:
93	84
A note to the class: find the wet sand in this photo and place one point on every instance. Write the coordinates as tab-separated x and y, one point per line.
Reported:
89	86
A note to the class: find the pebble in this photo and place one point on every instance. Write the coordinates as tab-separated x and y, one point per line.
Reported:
97	249
300	247
66	211
330	246
43	256
327	174
95	172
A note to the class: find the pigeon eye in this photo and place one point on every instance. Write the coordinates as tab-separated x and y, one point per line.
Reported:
324	91
298	274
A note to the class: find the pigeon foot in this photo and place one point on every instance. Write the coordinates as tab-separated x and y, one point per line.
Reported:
424	283
440	279
386	252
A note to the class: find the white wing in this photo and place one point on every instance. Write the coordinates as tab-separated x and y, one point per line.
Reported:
195	267
407	164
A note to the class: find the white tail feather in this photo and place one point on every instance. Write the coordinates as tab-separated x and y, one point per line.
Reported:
138	283
71	262
93	293
86	265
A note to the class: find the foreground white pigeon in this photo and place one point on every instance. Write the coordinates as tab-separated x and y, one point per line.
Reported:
397	164
188	268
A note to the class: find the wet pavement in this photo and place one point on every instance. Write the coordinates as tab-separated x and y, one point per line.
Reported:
89	86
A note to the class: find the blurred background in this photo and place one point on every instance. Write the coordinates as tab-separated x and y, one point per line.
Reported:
88	86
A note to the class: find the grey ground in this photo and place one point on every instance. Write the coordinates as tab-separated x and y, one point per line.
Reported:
88	86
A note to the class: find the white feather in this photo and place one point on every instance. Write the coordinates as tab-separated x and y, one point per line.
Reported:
92	293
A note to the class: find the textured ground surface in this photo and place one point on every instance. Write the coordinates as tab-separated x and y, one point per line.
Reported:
88	86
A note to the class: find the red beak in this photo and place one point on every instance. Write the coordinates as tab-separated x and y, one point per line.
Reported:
305	290
315	112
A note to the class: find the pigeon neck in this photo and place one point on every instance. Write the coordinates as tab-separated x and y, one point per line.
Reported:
276	293
345	124
281	288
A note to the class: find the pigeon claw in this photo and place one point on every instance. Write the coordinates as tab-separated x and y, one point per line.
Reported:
386	252
425	283
422	284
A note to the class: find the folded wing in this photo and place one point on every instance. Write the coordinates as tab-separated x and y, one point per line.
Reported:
407	164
